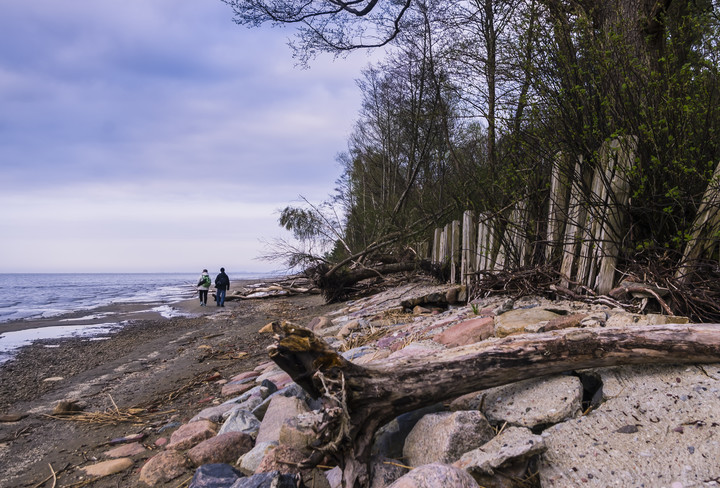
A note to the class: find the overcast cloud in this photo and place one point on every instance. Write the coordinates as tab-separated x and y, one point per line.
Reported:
157	135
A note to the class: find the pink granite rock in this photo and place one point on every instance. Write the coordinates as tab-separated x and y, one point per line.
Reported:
467	332
191	434
164	467
284	459
281	408
106	468
234	389
565	322
223	448
244	376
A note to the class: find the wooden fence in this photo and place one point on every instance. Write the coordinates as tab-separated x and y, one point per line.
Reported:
583	230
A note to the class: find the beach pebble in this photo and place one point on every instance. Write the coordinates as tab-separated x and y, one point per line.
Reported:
241	421
107	468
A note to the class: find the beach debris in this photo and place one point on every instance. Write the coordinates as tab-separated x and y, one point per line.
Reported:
127	439
12	417
68	407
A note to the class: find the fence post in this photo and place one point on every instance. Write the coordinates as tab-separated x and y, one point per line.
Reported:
558	206
467	263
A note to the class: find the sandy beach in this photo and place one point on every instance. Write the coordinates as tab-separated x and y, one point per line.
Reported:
167	369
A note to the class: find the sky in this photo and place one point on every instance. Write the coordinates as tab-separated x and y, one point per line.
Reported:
158	135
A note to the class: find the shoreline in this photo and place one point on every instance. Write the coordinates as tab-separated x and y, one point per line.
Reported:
162	363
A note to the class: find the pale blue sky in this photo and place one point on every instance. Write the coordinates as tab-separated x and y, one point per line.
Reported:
157	135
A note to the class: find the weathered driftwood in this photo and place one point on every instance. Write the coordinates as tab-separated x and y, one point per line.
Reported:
358	400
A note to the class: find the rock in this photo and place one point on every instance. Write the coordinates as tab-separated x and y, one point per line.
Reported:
127	450
236	388
467	332
515	321
273	479
106	468
564	322
301	431
416	349
213	414
444	437
595	319
283	459
349	328
66	407
334	477
385	471
241	421
675	412
434	476
250	461
511	445
319	323
247	375
535	402
215	476
279	410
191	434
390	438
223	448
163	467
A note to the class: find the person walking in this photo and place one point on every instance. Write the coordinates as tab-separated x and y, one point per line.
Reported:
203	286
222	283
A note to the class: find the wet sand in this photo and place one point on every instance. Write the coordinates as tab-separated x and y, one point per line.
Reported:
158	363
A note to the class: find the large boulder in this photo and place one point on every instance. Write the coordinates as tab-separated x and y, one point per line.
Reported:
656	427
444	437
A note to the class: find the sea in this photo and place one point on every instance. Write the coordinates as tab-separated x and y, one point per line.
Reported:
27	297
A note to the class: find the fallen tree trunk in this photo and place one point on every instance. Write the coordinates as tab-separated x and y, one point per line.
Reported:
335	283
358	400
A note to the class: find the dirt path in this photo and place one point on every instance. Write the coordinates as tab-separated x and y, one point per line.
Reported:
168	369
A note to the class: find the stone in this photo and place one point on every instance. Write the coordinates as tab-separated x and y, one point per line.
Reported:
444	437
213	414
273	479
319	323
416	349
467	332
390	438
245	376
301	431
191	434
434	476
515	321
241	421
385	471
283	459
106	468
279	410
223	448
128	450
334	477
235	388
511	445
349	328
534	402
564	322
215	476
250	461
163	467
673	411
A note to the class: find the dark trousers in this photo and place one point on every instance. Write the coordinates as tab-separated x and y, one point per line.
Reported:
220	297
203	296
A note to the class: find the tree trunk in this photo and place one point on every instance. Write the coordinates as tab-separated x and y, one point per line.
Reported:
358	400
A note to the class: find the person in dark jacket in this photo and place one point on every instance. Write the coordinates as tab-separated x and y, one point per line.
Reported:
222	283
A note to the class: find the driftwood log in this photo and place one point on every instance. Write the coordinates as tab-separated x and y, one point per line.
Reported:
358	400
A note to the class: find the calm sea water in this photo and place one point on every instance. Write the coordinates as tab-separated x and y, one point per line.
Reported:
38	296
